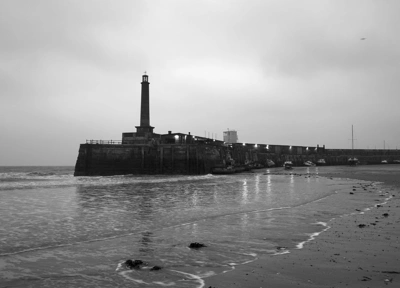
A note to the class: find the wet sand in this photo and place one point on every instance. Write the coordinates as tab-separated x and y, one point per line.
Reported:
360	249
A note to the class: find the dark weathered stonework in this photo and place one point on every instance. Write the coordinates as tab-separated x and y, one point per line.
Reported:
107	159
103	159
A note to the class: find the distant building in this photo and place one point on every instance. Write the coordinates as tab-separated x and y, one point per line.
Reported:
230	136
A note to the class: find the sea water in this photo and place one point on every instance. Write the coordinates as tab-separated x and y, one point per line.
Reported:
63	231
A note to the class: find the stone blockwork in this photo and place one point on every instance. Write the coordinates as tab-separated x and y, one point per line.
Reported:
200	158
104	159
99	159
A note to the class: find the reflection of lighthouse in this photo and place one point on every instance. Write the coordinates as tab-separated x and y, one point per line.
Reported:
145	214
145	130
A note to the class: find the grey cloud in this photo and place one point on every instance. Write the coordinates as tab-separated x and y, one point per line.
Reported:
243	65
73	28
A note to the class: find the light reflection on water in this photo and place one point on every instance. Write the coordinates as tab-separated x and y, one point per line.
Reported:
257	186
245	192
101	221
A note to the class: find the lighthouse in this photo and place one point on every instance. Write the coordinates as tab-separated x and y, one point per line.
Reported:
145	130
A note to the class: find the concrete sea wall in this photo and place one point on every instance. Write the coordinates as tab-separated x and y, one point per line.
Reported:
200	158
104	159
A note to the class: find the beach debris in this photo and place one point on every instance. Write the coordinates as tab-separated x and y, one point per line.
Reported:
354	189
351	193
361	225
385	214
365	278
196	245
281	248
387	281
133	264
138	264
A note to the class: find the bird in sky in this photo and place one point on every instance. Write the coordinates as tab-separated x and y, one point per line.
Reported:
363	38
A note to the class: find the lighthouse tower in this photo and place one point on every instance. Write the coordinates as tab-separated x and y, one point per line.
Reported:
145	130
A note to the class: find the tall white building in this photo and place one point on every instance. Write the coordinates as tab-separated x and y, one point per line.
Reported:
230	136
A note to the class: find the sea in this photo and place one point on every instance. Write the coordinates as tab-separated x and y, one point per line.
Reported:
57	230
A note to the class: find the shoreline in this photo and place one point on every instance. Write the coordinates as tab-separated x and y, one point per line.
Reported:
357	250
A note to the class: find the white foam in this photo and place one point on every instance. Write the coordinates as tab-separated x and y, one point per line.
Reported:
232	268
313	235
193	277
126	274
207	274
232	264
119	266
164	284
281	252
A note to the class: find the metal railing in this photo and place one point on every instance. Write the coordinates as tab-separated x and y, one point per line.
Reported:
103	142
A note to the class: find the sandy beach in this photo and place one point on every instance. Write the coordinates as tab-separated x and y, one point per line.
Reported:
359	249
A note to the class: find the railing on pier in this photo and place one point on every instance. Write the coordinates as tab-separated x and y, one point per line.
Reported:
104	142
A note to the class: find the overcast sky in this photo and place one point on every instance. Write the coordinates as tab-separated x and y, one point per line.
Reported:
279	72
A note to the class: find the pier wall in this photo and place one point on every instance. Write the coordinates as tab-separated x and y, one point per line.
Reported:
120	159
106	159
